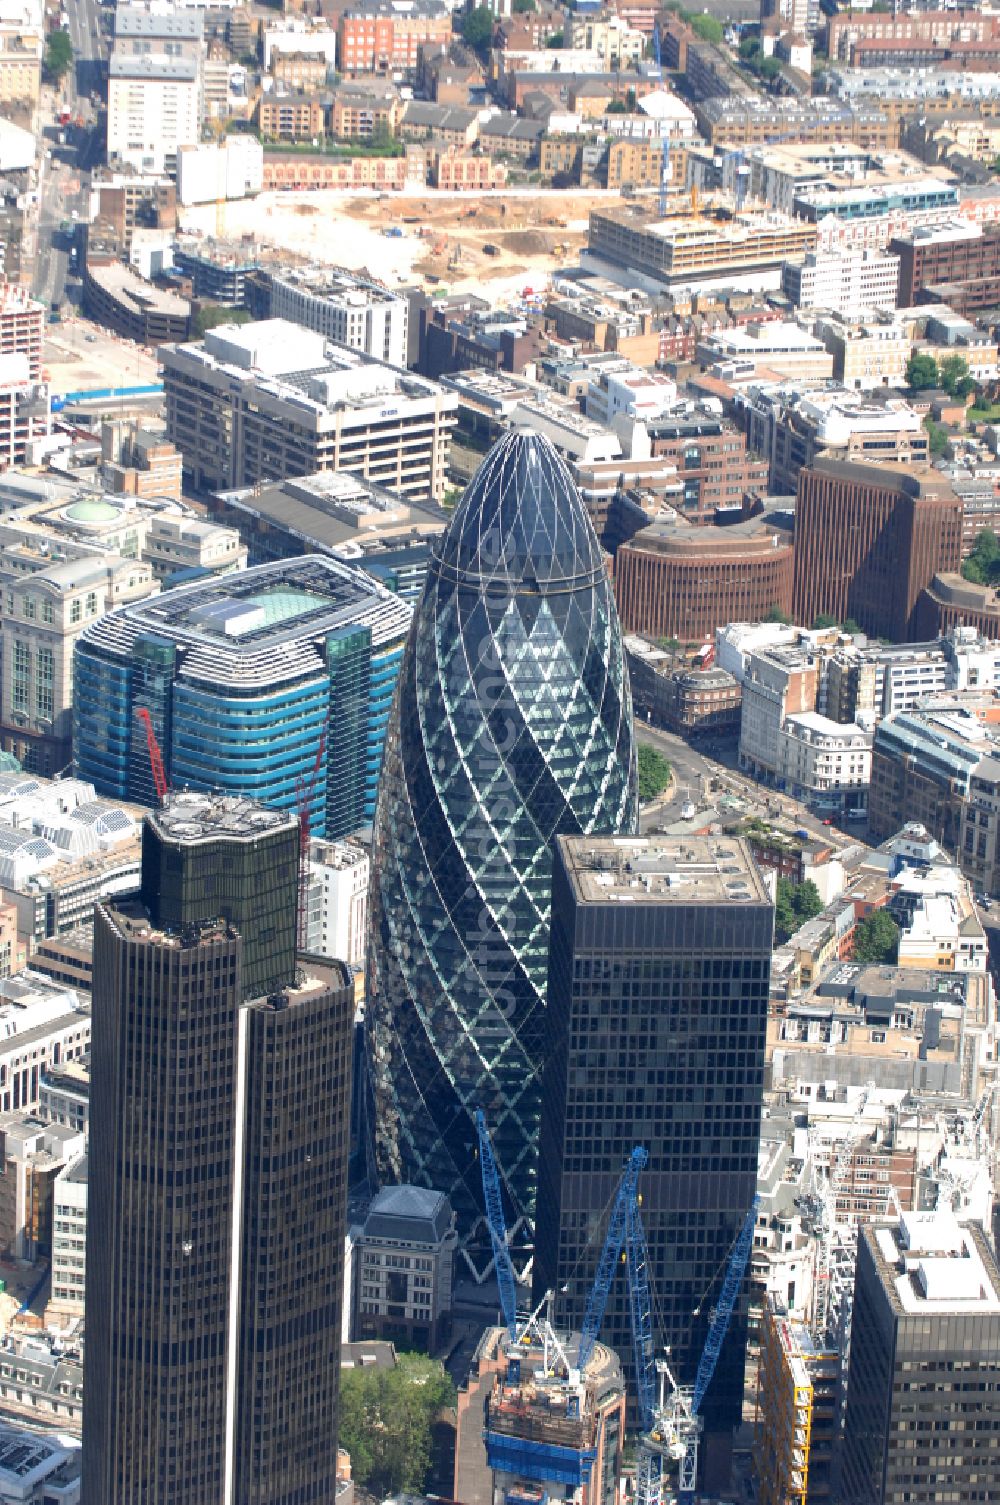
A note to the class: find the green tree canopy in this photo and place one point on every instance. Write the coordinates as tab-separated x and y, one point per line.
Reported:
876	938
523	7
768	67
386	1416
794	905
210	315
852	627
983	565
953	374
58	55
921	372
775	614
937	436
824	620
706	27
477	28
654	772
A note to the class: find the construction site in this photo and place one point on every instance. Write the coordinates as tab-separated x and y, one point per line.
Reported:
495	245
543	1413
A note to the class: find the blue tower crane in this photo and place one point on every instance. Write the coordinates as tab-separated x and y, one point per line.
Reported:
597	1301
498	1226
672	1428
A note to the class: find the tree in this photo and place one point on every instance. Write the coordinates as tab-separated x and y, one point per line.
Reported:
749	47
523	7
824	620
768	68
937	436
58	55
386	1416
953	374
921	372
706	27
794	904
210	315
876	938
852	628
775	614
982	566
654	773
477	28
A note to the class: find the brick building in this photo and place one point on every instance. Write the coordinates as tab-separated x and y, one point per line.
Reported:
291	117
712	461
958	255
375	38
868	539
672	580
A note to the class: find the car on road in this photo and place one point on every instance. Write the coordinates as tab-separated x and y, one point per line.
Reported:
687	811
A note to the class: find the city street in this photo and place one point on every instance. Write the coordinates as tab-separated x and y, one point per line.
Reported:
693	772
63	178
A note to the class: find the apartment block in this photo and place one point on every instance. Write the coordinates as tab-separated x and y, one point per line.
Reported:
154	108
291	117
378	37
22	324
937	29
22	43
25	417
271	399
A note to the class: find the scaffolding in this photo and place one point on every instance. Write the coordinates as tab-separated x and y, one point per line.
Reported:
796	1400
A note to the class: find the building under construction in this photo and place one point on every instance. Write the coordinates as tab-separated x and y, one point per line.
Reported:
532	1428
797	1400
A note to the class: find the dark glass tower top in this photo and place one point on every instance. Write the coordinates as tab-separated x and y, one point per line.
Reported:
209	857
520	522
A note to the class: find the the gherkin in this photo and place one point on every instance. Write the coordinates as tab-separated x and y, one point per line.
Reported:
512	724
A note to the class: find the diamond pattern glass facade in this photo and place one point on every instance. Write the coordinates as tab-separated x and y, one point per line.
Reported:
512	724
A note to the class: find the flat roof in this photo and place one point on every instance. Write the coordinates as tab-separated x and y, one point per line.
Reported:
662	870
259	625
189	818
340	512
127	287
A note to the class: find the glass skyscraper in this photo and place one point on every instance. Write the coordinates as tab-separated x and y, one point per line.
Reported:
242	676
512	724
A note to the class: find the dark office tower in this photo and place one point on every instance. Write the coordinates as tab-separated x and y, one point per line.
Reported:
658	980
868	540
512	723
923	1397
218	1163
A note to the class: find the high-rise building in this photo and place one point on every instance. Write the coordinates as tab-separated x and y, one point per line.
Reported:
217	1174
243	675
512	724
263	401
923	1398
868	539
659	963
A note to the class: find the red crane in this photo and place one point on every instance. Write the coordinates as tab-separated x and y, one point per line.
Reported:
155	757
304	792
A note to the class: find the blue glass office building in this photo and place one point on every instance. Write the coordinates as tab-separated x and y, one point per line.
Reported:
241	676
512	725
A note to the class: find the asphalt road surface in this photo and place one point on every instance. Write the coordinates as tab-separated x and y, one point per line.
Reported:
64	181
